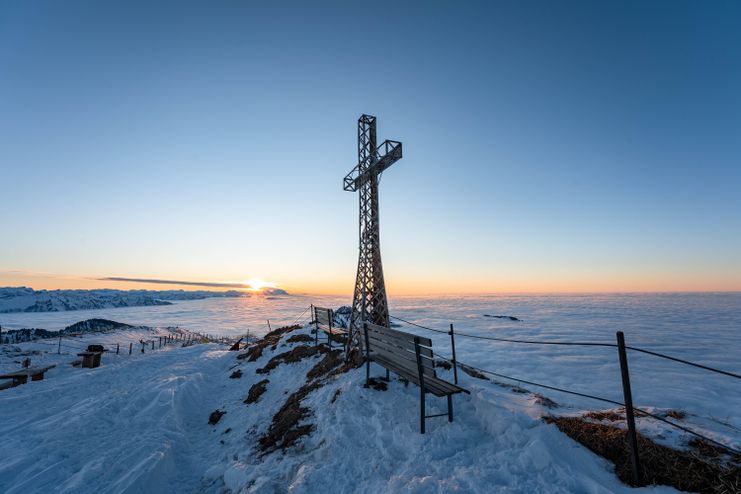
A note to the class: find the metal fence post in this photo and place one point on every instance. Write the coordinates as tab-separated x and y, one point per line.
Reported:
635	462
455	363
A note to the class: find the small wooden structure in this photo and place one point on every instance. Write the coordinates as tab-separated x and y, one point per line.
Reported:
91	358
21	376
410	357
323	320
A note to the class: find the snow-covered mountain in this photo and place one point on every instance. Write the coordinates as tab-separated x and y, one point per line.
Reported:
22	299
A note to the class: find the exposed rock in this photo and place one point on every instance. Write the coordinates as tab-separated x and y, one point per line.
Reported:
256	391
236	374
215	416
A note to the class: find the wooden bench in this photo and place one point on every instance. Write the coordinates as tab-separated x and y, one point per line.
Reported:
410	357
21	376
323	321
91	358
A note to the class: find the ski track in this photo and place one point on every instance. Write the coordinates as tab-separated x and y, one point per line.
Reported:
131	425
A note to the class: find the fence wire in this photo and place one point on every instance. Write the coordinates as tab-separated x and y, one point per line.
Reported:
576	343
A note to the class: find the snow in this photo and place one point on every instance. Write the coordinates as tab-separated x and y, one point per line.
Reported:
22	299
135	424
144	417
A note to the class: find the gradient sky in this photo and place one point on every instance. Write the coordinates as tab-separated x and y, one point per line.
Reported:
548	146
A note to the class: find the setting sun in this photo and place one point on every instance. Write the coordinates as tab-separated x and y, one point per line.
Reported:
257	284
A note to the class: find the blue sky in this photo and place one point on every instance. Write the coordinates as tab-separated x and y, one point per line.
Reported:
570	146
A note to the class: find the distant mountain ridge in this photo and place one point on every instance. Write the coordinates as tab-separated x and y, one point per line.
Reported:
87	326
23	299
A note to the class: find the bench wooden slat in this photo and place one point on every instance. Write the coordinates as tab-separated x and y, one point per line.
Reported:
402	335
402	361
410	357
404	353
335	330
404	343
435	385
397	342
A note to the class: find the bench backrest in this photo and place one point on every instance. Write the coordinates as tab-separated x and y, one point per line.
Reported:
323	316
400	348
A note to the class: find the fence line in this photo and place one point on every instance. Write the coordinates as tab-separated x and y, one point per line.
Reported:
577	343
628	406
593	397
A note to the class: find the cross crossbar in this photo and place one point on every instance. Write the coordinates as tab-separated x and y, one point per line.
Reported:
389	152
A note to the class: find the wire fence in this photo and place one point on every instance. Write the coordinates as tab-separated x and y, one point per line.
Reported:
640	411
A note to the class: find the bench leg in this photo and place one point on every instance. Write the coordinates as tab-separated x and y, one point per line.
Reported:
421	410
450	408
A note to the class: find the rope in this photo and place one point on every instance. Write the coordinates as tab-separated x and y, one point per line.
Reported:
599	398
687	362
532	342
300	315
579	343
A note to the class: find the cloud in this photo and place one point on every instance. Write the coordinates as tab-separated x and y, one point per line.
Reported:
175	282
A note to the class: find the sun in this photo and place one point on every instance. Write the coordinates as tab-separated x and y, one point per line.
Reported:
257	284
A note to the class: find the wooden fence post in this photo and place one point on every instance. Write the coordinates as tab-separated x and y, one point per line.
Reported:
152	344
117	347
59	346
635	462
131	345
452	345
160	343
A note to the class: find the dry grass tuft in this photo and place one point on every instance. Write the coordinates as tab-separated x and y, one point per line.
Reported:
256	391
683	470
294	355
284	429
300	338
330	361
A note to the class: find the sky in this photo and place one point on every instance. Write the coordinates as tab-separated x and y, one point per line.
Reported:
548	146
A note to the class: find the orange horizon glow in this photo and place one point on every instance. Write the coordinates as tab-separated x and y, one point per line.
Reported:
404	287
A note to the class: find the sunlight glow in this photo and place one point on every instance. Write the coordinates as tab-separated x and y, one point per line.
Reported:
257	284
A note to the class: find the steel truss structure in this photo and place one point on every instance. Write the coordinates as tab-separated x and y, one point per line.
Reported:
369	300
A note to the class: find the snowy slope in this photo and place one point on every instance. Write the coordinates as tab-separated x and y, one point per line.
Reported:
135	424
139	424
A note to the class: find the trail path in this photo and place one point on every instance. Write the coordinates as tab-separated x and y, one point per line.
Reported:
132	425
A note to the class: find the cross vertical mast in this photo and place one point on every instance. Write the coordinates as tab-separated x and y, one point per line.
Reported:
369	299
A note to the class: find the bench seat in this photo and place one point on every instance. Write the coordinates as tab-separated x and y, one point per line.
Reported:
411	358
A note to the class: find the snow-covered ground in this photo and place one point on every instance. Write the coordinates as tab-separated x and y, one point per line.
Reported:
135	424
497	441
139	424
